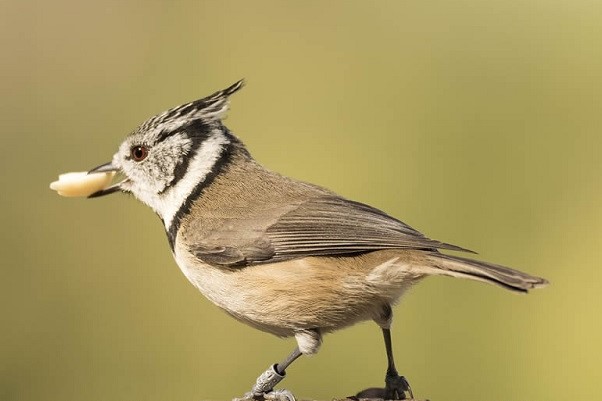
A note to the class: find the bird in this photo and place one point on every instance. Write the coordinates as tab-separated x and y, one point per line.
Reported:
281	255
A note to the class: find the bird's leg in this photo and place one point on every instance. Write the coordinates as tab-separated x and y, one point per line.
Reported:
263	389
396	386
281	367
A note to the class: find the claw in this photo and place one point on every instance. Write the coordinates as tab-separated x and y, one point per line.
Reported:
397	387
247	397
279	395
274	395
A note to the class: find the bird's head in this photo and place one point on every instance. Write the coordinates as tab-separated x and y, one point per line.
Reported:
166	157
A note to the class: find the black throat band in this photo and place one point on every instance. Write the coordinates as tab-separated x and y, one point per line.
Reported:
184	210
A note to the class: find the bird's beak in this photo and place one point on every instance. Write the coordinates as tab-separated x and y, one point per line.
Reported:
105	168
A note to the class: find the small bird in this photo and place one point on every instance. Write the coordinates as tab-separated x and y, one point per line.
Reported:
283	256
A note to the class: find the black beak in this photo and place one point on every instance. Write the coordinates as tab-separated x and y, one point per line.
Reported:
105	168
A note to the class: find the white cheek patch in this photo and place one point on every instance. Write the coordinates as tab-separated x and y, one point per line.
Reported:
150	186
81	184
200	166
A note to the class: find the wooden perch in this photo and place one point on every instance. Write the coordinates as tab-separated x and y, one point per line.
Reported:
372	395
370	399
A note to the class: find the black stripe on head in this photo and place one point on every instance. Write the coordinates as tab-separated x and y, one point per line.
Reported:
197	131
184	210
163	135
193	129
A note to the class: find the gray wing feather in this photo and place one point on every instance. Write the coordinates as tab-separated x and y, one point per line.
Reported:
335	226
323	226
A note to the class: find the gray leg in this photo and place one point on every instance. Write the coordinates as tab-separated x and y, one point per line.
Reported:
281	367
396	386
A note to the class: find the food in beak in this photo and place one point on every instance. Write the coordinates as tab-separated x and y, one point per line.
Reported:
81	183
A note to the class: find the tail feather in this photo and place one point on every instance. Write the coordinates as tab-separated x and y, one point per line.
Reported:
488	272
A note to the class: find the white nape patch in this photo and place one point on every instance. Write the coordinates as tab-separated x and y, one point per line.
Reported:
168	204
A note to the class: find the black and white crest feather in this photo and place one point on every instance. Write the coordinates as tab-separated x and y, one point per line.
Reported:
209	109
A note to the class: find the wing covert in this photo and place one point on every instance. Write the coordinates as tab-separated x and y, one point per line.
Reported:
320	226
336	226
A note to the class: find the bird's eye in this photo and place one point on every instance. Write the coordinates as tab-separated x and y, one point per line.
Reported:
139	153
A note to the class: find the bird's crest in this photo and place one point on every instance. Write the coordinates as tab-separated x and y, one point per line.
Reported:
209	109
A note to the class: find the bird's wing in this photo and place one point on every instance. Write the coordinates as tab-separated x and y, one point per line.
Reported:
322	226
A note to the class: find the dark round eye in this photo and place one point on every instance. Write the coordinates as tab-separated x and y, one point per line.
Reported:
139	153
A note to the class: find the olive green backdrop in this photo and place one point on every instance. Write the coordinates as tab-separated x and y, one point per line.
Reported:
477	122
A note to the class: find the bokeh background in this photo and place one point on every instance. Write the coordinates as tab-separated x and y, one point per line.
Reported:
478	122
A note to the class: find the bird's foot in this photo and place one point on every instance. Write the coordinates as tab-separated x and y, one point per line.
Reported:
397	387
279	395
273	395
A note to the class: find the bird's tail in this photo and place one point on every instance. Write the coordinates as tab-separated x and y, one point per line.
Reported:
506	277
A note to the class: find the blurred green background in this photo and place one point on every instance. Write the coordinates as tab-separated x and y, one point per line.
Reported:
477	122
